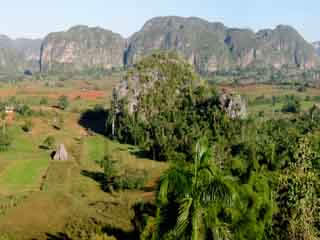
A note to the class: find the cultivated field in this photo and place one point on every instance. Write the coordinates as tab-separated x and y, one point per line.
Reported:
259	97
41	198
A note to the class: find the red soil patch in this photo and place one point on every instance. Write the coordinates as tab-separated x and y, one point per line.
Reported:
89	95
8	92
84	94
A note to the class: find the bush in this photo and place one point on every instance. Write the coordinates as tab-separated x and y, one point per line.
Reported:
131	180
24	110
116	180
44	101
5	142
307	99
49	142
292	105
302	89
63	102
27	126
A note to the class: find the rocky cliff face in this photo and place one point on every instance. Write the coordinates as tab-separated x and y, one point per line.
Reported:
201	42
19	55
316	46
207	46
213	46
81	48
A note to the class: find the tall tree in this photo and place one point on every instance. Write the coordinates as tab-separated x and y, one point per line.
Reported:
188	198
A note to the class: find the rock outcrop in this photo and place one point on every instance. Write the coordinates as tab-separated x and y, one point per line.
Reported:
316	46
19	55
208	46
82	48
213	46
145	89
233	104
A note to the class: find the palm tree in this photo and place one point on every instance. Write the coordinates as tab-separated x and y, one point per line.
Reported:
189	197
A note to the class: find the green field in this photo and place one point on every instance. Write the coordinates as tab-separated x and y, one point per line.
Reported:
70	192
63	192
24	164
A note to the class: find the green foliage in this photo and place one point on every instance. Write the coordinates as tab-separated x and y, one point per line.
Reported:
86	230
190	199
292	105
117	177
5	141
44	101
49	142
63	102
131	179
27	126
165	127
24	110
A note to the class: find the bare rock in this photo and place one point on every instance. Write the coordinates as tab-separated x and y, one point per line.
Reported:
233	104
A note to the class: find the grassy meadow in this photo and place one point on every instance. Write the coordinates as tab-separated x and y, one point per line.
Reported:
60	195
259	97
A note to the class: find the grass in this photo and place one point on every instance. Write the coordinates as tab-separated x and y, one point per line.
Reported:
94	148
251	92
40	197
25	164
59	191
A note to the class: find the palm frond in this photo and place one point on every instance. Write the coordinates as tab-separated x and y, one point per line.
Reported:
175	181
183	219
217	190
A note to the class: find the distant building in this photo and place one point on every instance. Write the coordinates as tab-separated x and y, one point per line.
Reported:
9	109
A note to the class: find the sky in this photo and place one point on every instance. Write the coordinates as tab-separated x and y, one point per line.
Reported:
36	18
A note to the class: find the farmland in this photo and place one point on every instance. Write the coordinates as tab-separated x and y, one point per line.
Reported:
56	195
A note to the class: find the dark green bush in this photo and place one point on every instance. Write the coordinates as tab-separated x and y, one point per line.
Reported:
5	142
63	102
27	126
292	105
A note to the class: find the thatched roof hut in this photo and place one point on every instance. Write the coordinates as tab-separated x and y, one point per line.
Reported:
61	153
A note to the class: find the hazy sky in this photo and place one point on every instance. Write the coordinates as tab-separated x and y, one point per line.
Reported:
36	18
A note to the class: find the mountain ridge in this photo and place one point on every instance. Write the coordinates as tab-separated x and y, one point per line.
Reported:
209	46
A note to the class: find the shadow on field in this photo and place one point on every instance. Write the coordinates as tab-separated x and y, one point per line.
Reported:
120	234
99	177
140	153
94	120
117	233
58	236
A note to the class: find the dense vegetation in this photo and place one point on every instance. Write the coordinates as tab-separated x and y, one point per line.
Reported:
230	178
222	177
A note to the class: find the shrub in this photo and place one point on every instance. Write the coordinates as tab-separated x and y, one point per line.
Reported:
5	142
292	105
63	102
307	99
27	126
302	89
24	110
131	180
49	142
44	101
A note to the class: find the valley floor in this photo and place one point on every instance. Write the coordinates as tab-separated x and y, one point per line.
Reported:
42	199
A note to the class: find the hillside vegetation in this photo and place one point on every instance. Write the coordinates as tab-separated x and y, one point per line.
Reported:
165	155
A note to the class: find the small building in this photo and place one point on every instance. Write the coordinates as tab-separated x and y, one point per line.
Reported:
9	109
